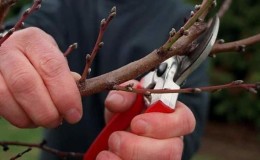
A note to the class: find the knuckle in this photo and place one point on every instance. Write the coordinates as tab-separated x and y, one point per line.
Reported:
32	31
27	36
51	66
48	120
29	39
22	81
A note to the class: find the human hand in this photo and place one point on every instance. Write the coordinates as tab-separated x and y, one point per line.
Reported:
36	86
153	135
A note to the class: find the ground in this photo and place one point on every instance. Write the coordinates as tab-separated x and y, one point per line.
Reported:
229	142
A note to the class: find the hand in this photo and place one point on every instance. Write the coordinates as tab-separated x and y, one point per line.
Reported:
36	86
153	135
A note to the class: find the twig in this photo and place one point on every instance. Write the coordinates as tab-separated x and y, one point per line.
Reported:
36	5
236	45
70	49
43	147
90	57
4	8
224	8
21	154
174	36
252	87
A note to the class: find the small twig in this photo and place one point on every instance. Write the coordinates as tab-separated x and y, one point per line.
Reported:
90	57
21	154
236	45
252	87
70	49
224	8
43	147
174	36
4	8
36	5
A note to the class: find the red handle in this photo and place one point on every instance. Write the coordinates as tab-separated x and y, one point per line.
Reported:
121	121
159	106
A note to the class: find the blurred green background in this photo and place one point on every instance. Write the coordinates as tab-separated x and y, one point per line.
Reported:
234	114
240	106
240	21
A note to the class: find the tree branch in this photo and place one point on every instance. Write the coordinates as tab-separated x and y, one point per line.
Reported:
90	57
252	87
4	8
224	8
108	80
236	45
21	154
174	46
43	147
70	49
36	5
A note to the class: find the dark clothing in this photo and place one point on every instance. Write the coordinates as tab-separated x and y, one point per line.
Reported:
138	28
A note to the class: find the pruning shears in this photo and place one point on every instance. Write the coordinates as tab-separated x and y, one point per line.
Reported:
169	75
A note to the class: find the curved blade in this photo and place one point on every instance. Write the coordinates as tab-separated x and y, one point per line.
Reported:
189	63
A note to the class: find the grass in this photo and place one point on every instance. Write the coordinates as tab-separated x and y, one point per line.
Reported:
11	133
203	157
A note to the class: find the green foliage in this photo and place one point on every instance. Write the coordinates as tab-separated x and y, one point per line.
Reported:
17	7
240	21
10	133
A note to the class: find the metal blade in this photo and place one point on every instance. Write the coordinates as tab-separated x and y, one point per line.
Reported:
199	54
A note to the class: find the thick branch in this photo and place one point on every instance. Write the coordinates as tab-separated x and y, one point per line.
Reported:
236	45
137	68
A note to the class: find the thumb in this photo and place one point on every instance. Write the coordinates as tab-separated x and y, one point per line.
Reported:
75	75
119	101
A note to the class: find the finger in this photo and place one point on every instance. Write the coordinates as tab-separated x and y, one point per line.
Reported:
52	67
10	110
129	146
120	101
27	87
165	125
107	155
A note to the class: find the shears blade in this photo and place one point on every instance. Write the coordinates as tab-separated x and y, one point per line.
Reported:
189	63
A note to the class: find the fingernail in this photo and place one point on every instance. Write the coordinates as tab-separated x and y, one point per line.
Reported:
73	116
116	98
141	127
114	141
